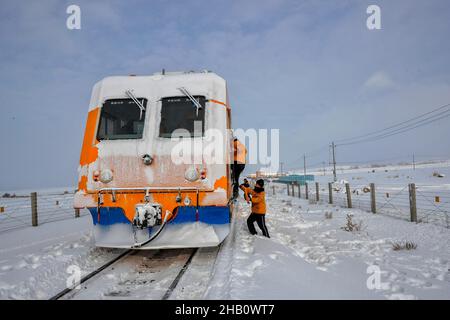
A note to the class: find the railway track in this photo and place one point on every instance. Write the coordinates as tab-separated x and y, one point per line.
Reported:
152	274
149	274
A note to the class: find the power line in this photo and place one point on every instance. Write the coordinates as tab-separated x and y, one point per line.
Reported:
400	130
396	125
395	129
399	158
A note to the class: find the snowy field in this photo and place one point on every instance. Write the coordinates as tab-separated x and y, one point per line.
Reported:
34	260
309	255
52	205
390	175
432	182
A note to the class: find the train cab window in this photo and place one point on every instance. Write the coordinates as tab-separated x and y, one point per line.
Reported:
181	113
121	119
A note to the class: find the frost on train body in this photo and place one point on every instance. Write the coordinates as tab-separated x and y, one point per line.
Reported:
137	194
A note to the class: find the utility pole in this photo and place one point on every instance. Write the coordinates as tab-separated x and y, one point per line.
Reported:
333	146
304	166
324	171
414	163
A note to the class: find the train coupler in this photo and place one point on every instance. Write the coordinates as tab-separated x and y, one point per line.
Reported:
147	215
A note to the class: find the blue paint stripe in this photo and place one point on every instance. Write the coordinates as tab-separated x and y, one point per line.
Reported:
108	216
214	215
206	214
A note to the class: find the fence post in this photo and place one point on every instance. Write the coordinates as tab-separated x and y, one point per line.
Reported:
330	192
298	185
317	191
34	211
77	213
373	203
349	195
306	191
412	202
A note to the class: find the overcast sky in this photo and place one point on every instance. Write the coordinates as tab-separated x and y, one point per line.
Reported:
310	68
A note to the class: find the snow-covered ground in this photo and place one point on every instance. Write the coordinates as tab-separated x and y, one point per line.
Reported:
389	175
34	261
308	256
432	182
52	205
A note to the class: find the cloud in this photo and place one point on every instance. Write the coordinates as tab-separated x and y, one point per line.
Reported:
379	80
310	68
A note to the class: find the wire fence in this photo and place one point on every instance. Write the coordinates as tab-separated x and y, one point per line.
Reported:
416	203
434	205
20	211
428	204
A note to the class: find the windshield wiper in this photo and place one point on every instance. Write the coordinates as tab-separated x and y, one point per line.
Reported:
141	107
193	100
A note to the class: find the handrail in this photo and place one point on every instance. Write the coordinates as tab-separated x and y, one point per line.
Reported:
157	189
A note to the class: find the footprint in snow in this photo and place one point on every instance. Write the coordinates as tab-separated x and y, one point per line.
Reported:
21	265
397	289
6	268
57	253
32	258
73	246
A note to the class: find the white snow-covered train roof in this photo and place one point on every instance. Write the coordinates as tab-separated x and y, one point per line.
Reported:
158	85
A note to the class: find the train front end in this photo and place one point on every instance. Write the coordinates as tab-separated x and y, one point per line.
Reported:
154	167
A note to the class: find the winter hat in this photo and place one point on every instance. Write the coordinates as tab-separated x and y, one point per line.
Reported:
260	182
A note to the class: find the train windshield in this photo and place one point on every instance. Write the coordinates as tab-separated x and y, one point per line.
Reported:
121	119
180	117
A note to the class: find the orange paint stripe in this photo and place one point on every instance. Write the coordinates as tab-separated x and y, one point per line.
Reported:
89	152
222	182
82	184
218	102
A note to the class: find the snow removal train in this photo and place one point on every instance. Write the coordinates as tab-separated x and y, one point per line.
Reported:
143	174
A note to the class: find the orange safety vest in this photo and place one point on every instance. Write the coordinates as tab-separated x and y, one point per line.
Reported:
240	152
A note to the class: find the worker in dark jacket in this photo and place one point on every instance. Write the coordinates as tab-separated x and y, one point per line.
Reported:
257	196
245	187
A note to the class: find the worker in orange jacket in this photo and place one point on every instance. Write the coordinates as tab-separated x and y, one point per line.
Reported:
257	196
238	164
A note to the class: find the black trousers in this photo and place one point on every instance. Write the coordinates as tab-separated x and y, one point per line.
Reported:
237	169
260	220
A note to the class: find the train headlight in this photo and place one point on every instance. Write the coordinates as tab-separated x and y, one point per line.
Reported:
106	176
187	201
192	174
